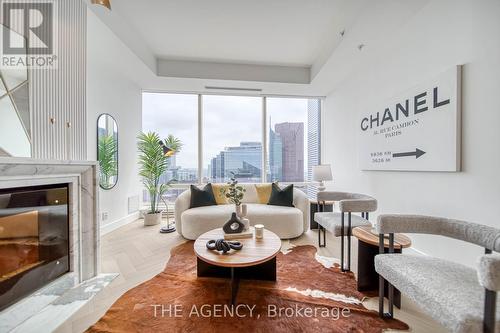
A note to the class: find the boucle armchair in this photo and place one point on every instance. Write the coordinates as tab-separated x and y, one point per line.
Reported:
461	298
335	222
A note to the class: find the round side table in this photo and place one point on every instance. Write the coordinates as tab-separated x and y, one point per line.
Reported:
367	250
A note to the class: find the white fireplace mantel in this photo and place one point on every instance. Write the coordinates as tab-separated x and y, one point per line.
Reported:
83	203
82	181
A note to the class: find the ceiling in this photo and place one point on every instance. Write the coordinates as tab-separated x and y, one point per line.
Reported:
188	45
278	32
291	38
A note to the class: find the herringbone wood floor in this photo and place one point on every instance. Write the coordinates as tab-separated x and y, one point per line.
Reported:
138	253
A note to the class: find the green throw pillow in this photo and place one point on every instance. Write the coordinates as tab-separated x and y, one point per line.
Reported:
281	197
202	197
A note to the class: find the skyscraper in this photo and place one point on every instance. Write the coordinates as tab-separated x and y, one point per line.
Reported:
292	140
243	161
275	157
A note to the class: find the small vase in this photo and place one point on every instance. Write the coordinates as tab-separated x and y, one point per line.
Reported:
244	210
241	210
246	223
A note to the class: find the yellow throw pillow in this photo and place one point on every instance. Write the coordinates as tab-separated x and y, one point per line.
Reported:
220	199
264	192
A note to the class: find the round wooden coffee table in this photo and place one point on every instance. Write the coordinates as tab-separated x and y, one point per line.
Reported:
255	261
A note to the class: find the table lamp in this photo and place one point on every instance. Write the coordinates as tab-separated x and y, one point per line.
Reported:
322	173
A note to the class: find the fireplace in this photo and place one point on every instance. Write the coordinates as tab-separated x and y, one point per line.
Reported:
34	239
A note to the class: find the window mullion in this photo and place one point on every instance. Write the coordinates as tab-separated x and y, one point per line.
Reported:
200	139
264	141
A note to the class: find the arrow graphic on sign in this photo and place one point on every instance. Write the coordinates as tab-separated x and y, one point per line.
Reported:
417	153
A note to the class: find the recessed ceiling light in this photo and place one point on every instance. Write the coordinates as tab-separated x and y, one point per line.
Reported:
233	88
360	46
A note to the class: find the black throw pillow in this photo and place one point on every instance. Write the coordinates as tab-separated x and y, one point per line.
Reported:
281	197
202	198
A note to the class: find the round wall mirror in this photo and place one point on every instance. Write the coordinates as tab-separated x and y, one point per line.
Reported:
107	151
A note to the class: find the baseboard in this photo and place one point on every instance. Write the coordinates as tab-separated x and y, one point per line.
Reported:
414	251
107	228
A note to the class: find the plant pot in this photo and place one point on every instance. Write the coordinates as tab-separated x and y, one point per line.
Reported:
152	218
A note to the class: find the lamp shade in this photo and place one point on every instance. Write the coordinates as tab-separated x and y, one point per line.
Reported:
322	172
166	150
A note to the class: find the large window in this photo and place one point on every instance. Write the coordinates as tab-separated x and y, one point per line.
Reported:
175	114
232	138
236	136
293	127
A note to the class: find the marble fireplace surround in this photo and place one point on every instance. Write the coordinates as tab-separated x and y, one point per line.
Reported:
82	181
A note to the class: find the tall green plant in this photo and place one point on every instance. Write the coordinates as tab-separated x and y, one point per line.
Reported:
108	164
153	162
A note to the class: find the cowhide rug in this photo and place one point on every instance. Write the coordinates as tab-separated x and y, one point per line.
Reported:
308	296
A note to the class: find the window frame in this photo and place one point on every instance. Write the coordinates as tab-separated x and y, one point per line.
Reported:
265	135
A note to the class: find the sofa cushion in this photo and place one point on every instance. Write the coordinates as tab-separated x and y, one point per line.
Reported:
281	197
263	192
220	198
333	222
286	222
250	194
447	291
202	197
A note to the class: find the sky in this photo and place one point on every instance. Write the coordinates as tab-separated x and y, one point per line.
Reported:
227	120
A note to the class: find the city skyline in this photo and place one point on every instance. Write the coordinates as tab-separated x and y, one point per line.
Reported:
232	136
287	158
227	120
287	152
244	162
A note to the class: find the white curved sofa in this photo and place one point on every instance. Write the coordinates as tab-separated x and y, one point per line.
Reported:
286	222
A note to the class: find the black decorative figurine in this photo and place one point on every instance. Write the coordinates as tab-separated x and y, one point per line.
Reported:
234	225
223	245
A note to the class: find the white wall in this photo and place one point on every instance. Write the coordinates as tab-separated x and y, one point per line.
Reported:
112	90
58	93
440	35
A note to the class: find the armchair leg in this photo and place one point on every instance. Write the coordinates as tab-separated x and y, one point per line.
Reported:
320	228
349	231
321	208
391	287
342	243
490	300
391	300
324	237
381	292
381	281
319	235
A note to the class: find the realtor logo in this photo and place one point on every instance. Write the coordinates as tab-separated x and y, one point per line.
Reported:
29	33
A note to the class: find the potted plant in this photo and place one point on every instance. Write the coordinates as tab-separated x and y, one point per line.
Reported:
154	157
234	193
